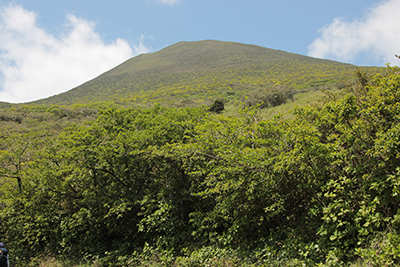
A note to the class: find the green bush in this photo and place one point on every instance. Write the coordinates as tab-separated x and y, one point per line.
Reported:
209	256
269	97
383	250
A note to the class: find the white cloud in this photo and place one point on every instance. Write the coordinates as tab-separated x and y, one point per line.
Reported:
35	64
169	2
376	35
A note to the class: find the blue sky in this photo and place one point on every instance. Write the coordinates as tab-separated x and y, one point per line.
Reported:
50	46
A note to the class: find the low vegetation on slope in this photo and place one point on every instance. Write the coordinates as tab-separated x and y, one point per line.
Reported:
197	73
167	186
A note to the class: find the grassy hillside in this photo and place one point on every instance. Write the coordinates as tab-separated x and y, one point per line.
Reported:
196	73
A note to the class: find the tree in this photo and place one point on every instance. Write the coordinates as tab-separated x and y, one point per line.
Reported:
17	151
361	195
217	106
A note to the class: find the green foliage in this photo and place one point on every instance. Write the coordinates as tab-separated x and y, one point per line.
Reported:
383	250
185	187
360	196
209	256
269	97
217	106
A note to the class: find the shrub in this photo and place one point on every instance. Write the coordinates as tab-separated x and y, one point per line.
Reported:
217	106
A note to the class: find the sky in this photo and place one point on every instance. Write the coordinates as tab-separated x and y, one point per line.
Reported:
51	46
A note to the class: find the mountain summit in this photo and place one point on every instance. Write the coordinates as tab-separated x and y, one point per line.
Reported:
197	72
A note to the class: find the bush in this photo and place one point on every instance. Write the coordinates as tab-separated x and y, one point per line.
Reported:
217	106
383	250
209	256
269	97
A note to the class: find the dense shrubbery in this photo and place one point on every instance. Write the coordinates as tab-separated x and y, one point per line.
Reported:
269	97
183	187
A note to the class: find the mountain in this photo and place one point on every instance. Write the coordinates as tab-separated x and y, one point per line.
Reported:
194	73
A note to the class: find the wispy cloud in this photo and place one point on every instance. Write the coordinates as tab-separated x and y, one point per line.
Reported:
35	64
377	34
169	2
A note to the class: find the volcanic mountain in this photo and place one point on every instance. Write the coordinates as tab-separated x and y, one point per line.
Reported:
195	73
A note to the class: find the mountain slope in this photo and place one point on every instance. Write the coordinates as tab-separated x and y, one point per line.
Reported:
193	73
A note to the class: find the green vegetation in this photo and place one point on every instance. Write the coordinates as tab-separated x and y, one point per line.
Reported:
198	73
168	186
217	107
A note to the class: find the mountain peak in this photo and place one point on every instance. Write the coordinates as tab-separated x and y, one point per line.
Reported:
202	70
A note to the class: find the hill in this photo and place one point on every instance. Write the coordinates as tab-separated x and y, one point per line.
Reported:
195	73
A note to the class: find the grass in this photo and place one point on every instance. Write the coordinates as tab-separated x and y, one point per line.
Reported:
200	72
